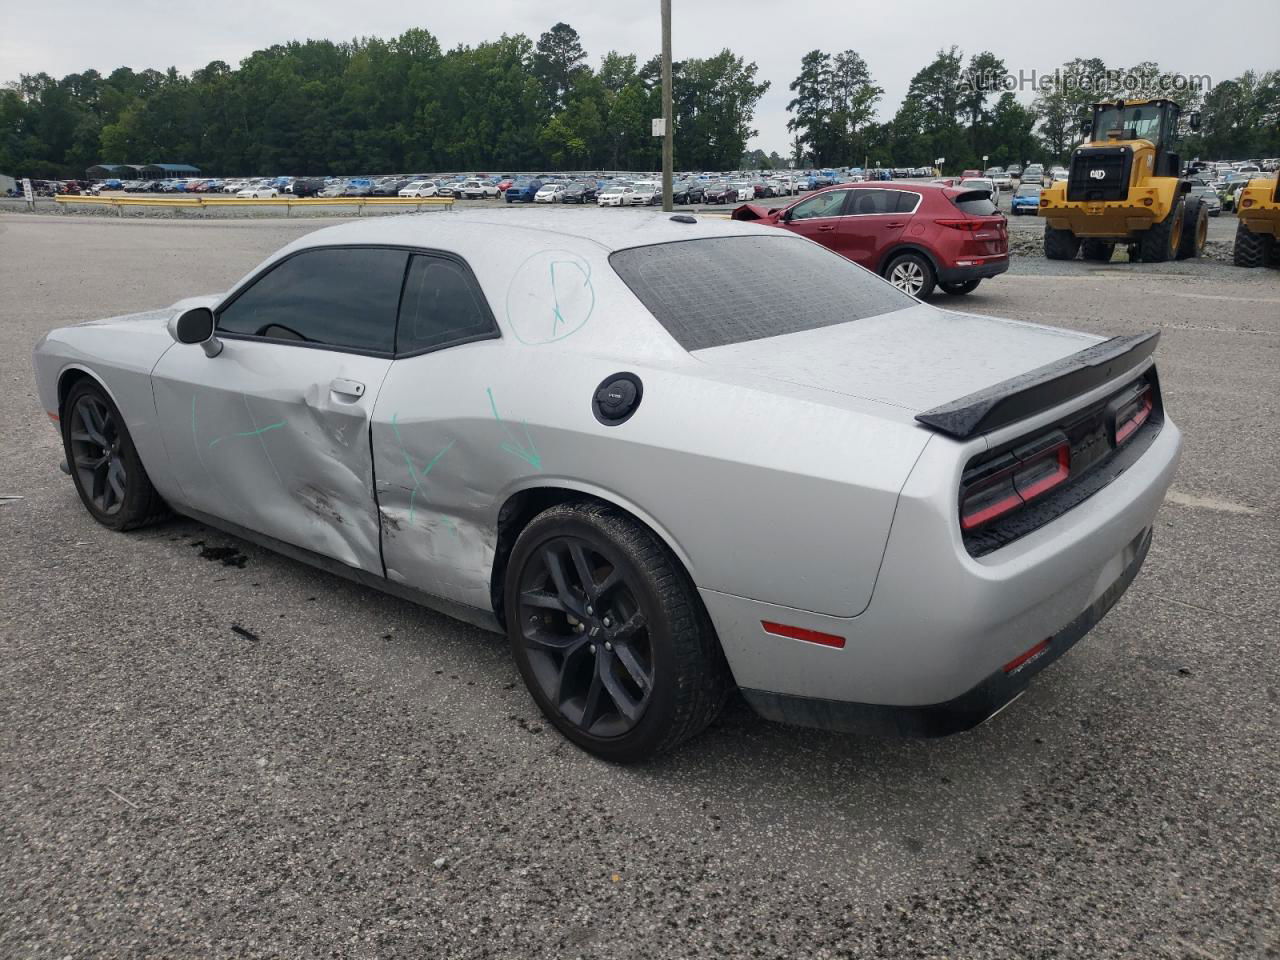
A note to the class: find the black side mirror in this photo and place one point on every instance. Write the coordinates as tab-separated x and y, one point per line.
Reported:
1086	127
196	326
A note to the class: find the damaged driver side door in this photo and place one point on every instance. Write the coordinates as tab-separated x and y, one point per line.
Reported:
272	433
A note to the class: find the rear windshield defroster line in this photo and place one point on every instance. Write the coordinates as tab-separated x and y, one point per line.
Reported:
723	290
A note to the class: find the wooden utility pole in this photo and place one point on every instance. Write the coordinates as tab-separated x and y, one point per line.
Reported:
668	144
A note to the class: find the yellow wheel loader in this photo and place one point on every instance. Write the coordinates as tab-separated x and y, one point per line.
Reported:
1126	186
1258	233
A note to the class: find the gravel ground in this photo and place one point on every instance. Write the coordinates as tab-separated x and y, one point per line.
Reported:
357	777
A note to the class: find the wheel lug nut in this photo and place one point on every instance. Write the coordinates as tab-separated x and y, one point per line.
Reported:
590	611
591	647
608	645
608	622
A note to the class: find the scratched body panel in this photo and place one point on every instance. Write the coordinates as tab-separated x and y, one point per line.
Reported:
264	442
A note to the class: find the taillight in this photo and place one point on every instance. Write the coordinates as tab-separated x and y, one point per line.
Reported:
998	487
972	226
1132	412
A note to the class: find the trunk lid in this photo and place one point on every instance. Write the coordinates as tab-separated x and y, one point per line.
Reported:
913	359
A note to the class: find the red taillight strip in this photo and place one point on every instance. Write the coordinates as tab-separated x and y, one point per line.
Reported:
1125	430
800	633
1022	659
971	520
1045	484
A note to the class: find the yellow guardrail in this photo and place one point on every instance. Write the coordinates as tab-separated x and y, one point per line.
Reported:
119	203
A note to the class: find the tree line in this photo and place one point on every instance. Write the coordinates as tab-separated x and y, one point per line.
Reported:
375	105
962	111
405	104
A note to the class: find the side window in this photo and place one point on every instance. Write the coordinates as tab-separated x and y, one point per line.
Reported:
338	297
873	201
441	305
822	205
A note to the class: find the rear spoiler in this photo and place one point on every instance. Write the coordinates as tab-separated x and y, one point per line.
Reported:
1029	393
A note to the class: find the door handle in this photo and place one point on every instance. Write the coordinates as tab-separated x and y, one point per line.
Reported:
351	389
826	228
897	223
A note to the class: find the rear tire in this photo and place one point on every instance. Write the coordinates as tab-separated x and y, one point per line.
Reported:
959	289
1098	251
1196	231
1060	244
642	671
105	467
1250	248
1163	241
912	273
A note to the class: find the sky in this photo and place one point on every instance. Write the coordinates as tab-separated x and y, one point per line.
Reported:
1220	40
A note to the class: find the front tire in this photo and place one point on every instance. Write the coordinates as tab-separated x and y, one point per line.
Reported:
610	635
911	273
1250	248
108	474
1060	244
1196	231
959	289
1162	241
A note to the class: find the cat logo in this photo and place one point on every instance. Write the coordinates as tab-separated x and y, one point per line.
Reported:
1098	174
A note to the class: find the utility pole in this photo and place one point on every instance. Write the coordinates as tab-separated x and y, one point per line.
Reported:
668	143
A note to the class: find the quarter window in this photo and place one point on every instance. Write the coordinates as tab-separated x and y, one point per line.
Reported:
441	305
342	297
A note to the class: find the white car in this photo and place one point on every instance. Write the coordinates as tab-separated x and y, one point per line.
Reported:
262	191
646	192
783	186
1058	173
420	188
981	183
549	193
746	190
1002	180
616	195
477	189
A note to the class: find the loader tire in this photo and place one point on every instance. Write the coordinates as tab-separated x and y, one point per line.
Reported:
1162	242
1060	244
1250	248
1195	232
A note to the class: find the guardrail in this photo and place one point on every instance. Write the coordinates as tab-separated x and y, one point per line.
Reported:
198	203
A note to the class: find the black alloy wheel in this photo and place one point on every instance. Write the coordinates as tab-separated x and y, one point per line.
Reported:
609	633
94	442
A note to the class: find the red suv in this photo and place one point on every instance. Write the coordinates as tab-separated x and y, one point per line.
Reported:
917	235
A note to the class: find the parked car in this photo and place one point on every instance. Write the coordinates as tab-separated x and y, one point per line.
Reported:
308	186
550	193
358	187
1026	200
579	191
616	195
720	191
1014	170
1009	472
1034	173
917	236
646	192
523	190
1002	180
478	189
1209	197
687	191
262	191
420	188
1058	173
970	173
388	186
981	183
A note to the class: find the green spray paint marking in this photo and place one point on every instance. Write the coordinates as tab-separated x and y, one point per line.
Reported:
246	433
415	476
528	454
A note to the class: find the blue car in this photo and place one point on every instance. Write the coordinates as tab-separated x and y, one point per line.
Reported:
523	190
1025	200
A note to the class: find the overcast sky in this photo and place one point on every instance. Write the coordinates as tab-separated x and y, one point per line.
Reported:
1220	39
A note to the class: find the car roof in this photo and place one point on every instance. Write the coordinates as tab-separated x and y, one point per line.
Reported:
476	234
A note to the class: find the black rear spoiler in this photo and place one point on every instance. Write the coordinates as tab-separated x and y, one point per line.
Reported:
1029	393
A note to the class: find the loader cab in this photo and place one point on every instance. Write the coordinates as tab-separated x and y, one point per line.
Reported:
1155	121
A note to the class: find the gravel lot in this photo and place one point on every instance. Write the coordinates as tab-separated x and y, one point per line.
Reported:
368	779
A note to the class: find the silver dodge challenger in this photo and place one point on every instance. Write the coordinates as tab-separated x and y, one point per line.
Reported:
669	457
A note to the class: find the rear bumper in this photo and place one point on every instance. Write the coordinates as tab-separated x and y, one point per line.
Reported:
990	267
962	712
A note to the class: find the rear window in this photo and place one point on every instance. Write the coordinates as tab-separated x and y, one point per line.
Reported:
976	203
722	290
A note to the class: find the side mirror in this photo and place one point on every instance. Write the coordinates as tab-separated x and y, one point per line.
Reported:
196	326
1086	126
1193	120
